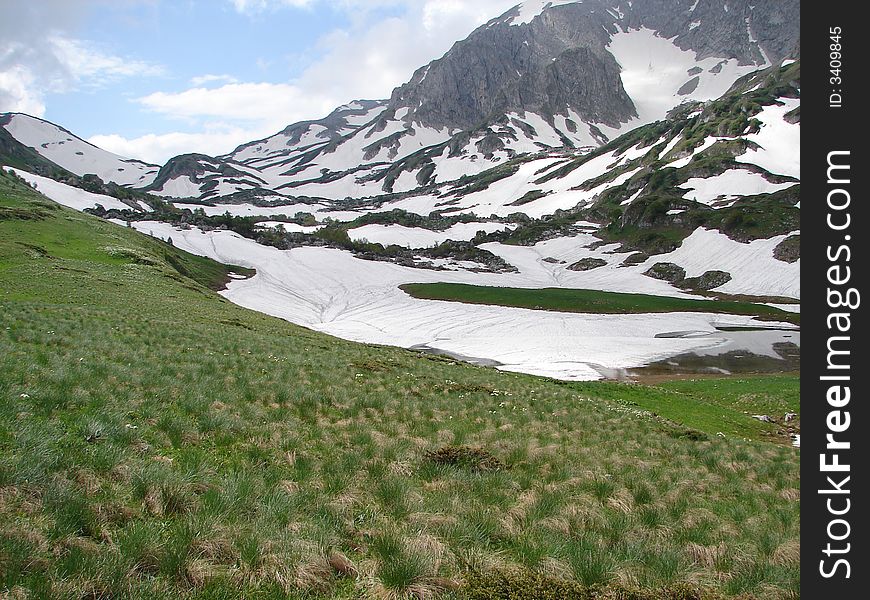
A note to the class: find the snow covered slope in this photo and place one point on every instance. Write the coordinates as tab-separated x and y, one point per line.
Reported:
71	196
74	154
298	138
198	175
331	291
549	76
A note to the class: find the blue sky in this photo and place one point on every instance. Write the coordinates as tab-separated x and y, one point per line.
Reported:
154	78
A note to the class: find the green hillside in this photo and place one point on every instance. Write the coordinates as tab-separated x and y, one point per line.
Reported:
157	441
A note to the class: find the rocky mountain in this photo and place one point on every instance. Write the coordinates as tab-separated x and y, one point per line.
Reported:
726	170
544	76
561	61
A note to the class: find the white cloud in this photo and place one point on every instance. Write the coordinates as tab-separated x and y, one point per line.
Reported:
38	55
86	63
249	6
16	92
365	60
157	148
211	78
238	101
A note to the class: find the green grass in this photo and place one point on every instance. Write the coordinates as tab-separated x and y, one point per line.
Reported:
714	405
159	441
589	301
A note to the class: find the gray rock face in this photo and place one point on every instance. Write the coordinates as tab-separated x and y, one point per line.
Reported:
560	58
557	60
724	27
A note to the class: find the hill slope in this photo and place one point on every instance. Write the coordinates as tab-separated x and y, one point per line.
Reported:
156	440
73	154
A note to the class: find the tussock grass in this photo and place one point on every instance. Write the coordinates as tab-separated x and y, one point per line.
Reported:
158	441
466	457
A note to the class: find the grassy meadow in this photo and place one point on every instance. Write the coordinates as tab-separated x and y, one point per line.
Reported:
157	441
590	301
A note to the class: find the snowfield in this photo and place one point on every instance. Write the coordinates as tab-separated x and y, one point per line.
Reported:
290	227
331	291
251	210
753	268
730	185
654	71
179	187
779	141
500	197
417	237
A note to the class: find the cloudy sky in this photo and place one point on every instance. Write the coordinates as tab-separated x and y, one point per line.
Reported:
150	79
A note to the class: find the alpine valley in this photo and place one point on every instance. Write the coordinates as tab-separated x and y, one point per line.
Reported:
528	328
637	147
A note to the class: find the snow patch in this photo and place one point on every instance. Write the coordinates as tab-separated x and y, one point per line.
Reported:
654	69
249	210
730	185
417	237
290	227
753	268
66	195
682	162
179	187
779	141
331	291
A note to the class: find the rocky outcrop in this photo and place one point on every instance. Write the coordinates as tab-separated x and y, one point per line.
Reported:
560	59
557	60
789	249
587	264
666	271
676	275
721	27
707	281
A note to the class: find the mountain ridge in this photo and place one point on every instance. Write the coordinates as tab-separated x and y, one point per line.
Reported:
727	166
542	80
